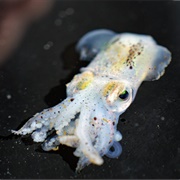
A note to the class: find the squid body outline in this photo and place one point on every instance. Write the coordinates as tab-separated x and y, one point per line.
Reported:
87	119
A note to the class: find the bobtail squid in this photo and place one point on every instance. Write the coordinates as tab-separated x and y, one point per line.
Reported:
87	119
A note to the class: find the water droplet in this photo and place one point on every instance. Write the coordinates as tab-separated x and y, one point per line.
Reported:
69	11
136	124
9	96
48	45
58	22
162	118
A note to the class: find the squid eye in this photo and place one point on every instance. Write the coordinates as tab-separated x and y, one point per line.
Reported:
124	95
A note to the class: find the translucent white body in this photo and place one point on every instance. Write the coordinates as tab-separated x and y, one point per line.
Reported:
87	119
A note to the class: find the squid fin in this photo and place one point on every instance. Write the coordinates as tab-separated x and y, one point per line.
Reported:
160	62
93	42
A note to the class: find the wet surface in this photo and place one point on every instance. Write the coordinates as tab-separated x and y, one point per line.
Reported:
34	78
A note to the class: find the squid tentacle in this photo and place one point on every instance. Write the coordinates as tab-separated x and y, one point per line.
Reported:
82	132
117	150
45	118
83	162
104	128
70	110
104	140
98	135
50	118
50	143
69	140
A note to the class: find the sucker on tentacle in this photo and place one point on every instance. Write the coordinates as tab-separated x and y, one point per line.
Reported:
87	119
116	152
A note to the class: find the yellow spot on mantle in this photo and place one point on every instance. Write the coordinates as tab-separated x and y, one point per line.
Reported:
108	88
113	87
86	79
106	120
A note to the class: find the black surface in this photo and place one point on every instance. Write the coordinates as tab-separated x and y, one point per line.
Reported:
35	78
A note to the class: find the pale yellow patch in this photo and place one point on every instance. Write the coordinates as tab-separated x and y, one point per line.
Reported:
113	87
108	88
93	157
56	148
117	53
51	125
118	64
86	80
64	106
67	84
106	120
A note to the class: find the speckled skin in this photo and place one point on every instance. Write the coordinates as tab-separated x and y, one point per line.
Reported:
87	119
131	57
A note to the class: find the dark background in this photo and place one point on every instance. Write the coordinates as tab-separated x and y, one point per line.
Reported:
34	78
